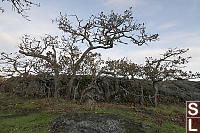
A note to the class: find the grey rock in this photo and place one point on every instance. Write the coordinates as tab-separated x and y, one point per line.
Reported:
93	123
182	89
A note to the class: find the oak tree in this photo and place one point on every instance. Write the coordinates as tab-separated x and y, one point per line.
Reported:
168	67
103	31
46	51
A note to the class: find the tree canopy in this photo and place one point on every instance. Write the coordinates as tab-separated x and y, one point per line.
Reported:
20	6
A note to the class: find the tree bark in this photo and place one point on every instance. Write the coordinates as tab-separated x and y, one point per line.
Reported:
69	90
142	94
56	82
155	86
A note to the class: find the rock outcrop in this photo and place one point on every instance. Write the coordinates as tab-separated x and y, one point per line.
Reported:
93	123
105	89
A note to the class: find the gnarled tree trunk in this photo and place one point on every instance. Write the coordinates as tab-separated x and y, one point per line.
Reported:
155	86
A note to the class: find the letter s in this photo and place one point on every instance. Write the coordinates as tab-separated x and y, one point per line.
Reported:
192	108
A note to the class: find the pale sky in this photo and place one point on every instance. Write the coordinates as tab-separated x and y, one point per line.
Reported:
176	22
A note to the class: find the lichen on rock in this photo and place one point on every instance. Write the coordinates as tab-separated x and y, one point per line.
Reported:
93	123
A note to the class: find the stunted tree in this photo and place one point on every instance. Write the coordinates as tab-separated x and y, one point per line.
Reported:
20	6
45	51
168	67
103	32
57	56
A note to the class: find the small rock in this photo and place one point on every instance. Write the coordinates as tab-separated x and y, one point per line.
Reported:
144	125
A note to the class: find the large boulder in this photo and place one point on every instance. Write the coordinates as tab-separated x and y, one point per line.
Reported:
110	89
181	89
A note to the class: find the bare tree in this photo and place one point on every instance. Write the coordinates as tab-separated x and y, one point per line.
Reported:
103	32
20	6
55	56
46	51
15	65
169	66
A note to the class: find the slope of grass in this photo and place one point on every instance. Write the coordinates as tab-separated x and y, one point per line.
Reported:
32	123
20	115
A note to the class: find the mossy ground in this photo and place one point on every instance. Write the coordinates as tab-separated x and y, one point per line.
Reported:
23	115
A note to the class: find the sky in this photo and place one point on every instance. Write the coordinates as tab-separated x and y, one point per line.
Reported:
176	22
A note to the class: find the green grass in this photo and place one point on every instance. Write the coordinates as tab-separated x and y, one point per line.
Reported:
170	109
165	128
32	123
20	115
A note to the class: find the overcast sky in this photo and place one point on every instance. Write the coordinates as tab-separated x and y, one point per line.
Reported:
176	21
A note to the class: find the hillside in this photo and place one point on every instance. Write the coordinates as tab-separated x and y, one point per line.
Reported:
41	115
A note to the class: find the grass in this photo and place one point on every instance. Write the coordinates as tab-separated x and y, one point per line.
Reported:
170	109
23	115
32	123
